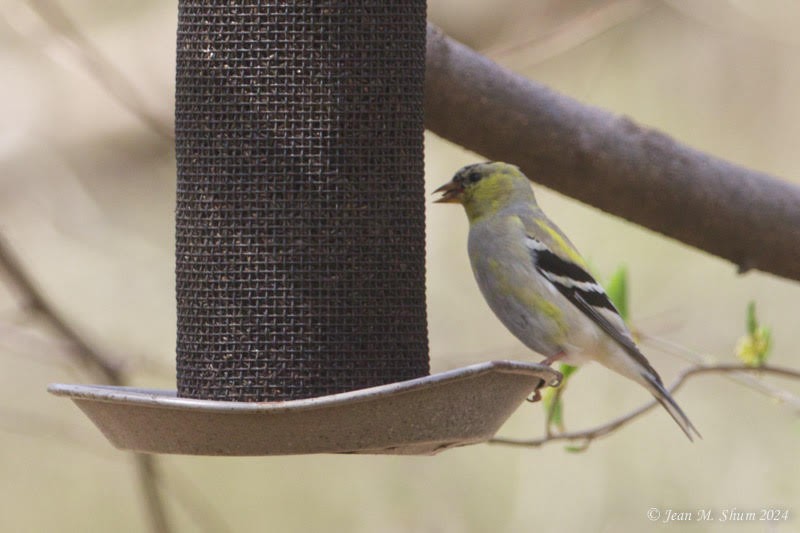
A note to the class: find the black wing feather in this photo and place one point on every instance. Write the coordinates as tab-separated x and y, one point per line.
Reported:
623	340
549	264
588	301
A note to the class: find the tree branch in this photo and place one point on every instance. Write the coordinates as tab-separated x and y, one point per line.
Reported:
589	435
747	217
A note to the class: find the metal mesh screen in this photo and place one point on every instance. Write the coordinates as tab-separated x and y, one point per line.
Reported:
300	208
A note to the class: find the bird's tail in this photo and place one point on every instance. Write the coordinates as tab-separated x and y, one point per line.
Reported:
656	388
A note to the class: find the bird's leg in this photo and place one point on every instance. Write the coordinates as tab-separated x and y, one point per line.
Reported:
548	361
537	396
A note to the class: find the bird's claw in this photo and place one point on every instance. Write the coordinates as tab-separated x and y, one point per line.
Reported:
536	397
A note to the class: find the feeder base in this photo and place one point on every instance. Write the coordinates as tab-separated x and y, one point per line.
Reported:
421	416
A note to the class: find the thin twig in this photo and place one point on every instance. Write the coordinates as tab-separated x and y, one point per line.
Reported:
25	341
15	421
149	476
100	365
35	301
751	382
199	508
589	435
52	429
103	70
590	23
201	511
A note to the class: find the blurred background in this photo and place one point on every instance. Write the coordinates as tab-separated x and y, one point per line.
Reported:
87	177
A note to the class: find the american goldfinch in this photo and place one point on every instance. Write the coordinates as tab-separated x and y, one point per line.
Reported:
537	283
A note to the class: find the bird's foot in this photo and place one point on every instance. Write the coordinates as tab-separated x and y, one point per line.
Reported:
535	397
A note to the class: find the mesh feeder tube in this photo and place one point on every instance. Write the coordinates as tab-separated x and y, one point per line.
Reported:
300	231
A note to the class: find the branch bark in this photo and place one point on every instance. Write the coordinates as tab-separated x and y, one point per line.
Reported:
608	161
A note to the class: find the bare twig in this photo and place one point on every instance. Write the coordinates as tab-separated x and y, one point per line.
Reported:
48	348
103	70
593	21
33	345
149	476
16	421
32	424
743	378
96	362
200	509
35	301
744	216
587	436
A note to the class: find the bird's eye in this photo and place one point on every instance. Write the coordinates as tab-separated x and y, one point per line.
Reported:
473	177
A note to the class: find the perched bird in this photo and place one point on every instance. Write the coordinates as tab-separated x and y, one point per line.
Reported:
537	283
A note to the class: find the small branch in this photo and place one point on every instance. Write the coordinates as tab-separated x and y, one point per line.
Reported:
105	73
587	436
35	301
147	468
201	510
608	161
33	345
751	382
49	428
593	21
186	494
99	364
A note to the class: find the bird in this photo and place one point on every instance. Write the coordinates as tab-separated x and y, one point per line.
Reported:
537	283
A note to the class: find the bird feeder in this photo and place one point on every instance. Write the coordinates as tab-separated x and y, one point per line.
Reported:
300	246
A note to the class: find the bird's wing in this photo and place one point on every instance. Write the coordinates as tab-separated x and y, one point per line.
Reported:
583	291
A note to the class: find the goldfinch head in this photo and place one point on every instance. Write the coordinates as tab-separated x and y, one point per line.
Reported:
485	188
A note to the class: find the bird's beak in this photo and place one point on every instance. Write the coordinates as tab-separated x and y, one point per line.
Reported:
451	193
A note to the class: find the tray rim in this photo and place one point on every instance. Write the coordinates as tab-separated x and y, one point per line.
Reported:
168	399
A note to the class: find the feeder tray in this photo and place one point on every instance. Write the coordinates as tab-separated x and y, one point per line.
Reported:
416	417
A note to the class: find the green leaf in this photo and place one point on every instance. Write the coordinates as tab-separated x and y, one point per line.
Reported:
575	449
617	290
752	321
552	399
566	371
754	348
